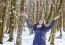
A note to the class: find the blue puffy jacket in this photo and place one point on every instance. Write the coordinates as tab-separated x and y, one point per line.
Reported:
40	33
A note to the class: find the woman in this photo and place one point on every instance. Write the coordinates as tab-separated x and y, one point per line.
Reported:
40	29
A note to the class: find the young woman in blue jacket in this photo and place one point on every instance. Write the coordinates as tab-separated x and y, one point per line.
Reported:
40	29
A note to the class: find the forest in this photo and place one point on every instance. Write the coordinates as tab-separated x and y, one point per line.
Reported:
11	19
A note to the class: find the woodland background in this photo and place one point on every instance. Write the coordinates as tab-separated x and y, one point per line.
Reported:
11	16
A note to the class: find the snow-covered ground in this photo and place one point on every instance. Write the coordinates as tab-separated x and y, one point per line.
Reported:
27	39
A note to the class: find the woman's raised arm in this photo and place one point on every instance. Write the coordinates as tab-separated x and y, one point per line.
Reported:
28	21
52	23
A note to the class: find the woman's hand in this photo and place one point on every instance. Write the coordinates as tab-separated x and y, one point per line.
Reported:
57	17
24	15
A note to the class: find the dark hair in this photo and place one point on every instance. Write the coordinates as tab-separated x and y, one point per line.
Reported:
43	24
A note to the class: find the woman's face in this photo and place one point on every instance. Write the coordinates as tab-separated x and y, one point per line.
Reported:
41	21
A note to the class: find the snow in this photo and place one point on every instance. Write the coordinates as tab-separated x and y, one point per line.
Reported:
27	39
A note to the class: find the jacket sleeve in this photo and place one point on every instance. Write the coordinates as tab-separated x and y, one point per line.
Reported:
51	25
29	23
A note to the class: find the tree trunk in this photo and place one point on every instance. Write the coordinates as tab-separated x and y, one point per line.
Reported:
2	15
